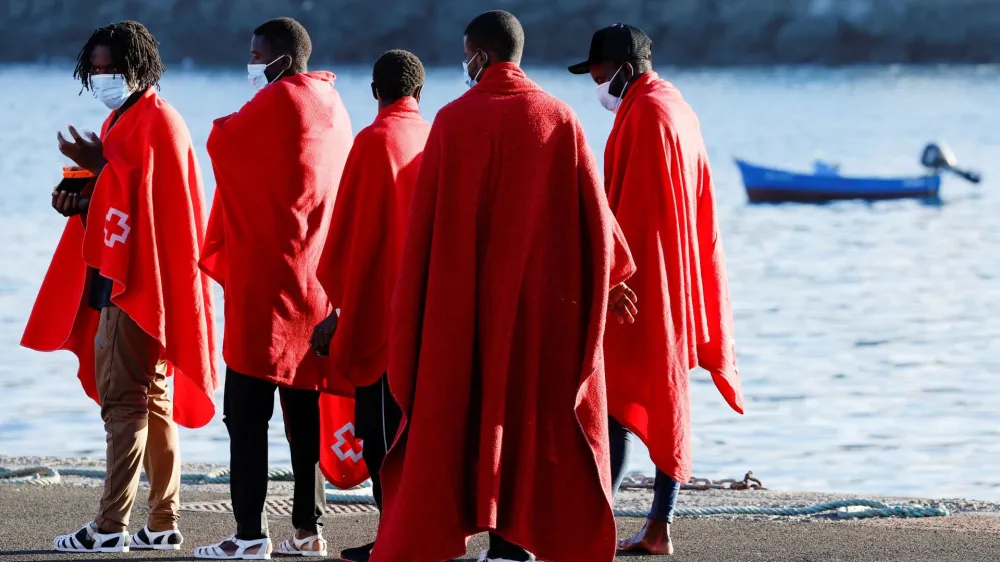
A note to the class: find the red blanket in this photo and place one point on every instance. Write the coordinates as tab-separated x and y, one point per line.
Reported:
146	224
359	264
496	337
660	188
358	269
277	164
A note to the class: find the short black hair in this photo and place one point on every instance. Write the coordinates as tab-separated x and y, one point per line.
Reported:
500	32
287	37
397	74
639	66
134	52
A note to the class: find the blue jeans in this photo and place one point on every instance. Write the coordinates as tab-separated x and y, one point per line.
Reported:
665	489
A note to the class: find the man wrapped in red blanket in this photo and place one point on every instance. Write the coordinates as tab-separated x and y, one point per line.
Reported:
359	264
660	187
498	319
277	164
124	292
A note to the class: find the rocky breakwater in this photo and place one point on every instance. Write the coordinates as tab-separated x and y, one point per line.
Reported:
685	32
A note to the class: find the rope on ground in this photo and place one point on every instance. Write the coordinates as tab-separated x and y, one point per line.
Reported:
875	509
360	495
46	476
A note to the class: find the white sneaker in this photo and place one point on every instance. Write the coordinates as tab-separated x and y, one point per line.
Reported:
147	539
88	539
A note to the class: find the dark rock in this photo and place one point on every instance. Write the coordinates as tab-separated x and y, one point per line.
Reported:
807	40
689	32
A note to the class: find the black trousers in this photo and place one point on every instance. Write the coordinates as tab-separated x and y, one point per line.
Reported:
247	409
376	420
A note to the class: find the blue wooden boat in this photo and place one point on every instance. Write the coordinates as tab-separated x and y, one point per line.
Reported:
771	185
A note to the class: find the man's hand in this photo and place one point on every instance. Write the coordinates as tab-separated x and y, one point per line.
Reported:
322	334
87	151
69	204
621	303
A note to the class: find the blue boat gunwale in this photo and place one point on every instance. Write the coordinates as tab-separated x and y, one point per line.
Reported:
757	177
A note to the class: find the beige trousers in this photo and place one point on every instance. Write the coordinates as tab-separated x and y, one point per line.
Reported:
137	413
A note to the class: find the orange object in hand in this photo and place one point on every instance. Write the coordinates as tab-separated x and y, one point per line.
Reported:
75	179
76	172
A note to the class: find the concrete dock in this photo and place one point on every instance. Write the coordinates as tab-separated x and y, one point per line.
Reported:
31	516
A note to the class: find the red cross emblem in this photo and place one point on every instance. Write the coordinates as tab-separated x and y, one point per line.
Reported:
117	232
344	447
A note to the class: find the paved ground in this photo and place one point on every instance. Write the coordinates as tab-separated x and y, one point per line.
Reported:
31	516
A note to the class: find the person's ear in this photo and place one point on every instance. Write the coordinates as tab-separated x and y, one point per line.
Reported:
628	71
374	91
417	92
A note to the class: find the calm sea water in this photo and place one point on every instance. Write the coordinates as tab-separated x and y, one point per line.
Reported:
868	334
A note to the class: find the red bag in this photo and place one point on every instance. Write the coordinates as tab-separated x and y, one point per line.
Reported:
340	451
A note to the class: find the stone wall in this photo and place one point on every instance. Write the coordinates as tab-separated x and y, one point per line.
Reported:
684	32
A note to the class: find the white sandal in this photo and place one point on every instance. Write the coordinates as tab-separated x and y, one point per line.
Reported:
216	552
293	546
89	539
147	539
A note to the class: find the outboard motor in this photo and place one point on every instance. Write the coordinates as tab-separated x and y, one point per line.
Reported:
940	157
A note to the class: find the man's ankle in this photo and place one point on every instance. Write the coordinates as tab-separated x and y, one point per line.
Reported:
305	533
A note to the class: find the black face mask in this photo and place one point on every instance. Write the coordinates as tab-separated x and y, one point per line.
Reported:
619	83
272	72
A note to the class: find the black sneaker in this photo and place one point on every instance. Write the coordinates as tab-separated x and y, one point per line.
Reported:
358	553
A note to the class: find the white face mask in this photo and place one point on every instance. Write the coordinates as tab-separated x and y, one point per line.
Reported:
604	96
255	73
111	89
469	80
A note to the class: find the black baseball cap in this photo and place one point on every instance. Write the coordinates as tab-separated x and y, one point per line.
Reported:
619	42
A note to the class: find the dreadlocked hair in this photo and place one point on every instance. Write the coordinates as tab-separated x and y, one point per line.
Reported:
134	51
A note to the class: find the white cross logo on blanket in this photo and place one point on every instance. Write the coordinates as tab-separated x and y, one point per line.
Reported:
111	239
343	453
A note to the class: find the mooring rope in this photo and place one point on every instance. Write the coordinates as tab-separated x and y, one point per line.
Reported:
47	476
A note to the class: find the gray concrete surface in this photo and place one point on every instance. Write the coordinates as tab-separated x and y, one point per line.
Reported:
31	516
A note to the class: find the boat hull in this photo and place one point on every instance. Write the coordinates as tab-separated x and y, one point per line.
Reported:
768	185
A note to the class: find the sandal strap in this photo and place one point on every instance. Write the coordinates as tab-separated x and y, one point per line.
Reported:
306	541
242	546
295	545
70	542
89	539
151	537
216	551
